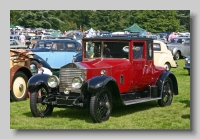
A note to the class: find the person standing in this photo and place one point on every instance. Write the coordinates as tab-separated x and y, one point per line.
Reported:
22	39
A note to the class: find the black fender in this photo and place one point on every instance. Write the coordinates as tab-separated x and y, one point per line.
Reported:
42	61
161	80
97	84
37	80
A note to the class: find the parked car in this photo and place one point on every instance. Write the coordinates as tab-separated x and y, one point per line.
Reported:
101	80
19	73
187	64
180	48
16	44
162	56
57	52
16	37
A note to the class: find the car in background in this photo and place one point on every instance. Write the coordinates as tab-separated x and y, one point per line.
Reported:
16	44
187	64
180	47
20	73
162	56
16	37
57	52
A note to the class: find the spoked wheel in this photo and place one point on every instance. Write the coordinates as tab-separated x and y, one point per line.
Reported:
19	90
167	66
101	106
167	94
37	106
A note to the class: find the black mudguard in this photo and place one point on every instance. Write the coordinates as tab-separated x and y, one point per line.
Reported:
161	79
37	80
97	83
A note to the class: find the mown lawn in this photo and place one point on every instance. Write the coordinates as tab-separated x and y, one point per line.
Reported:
138	116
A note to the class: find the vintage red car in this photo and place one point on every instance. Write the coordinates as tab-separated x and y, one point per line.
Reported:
118	70
19	73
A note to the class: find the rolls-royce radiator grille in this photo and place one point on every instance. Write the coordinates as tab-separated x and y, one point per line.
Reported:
66	76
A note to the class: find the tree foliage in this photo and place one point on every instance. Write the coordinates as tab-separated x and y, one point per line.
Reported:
109	20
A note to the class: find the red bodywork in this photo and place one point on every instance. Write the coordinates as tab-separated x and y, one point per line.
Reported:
137	73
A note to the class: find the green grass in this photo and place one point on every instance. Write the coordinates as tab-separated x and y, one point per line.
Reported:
138	116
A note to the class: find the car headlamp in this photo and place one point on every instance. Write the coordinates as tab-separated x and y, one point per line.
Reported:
77	82
53	81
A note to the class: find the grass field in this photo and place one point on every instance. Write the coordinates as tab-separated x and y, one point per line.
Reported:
138	116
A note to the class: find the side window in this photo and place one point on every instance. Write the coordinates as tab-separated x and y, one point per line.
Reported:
70	46
156	47
60	46
138	50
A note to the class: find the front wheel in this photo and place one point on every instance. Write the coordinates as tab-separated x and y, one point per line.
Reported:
38	108
101	106
167	93
19	90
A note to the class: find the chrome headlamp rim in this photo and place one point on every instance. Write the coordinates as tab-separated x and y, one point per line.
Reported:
76	84
55	83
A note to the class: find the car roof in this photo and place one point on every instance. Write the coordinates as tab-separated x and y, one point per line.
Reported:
117	38
57	40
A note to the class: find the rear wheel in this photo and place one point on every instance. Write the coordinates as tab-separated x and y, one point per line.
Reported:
177	55
167	93
38	108
19	90
101	106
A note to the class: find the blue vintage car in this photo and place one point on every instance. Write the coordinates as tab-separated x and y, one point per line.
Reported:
57	52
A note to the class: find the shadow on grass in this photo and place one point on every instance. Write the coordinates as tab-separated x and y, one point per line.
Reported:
83	114
186	116
186	102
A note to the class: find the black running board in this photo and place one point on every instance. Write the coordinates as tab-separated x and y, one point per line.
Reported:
129	102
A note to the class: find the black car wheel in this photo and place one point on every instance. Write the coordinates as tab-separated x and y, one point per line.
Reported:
19	90
167	93
177	56
37	106
101	106
189	72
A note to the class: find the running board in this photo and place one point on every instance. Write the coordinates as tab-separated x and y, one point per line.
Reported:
129	102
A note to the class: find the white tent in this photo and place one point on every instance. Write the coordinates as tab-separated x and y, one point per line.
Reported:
91	30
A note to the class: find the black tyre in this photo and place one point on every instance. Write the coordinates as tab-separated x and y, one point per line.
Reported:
101	106
167	94
19	89
38	108
167	66
189	72
177	55
33	66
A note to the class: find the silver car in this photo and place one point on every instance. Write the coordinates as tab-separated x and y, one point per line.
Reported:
15	44
180	47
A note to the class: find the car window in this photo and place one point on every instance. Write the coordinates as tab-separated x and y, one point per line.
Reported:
137	50
70	46
39	45
12	42
156	47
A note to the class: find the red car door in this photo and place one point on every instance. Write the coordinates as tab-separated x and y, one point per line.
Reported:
141	67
